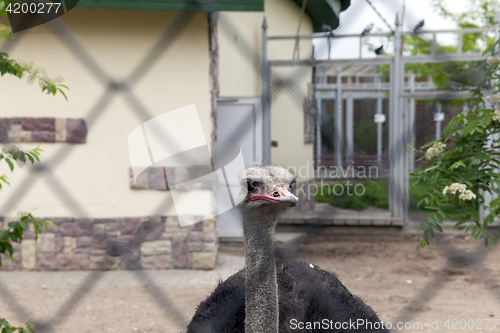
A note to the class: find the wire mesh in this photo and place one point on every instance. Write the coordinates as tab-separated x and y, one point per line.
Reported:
305	133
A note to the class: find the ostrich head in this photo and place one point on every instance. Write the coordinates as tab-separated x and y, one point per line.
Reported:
268	192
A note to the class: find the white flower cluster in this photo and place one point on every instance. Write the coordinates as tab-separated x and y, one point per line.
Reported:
435	150
496	115
492	61
493	99
462	189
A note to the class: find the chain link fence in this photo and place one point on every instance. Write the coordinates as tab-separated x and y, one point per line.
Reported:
325	138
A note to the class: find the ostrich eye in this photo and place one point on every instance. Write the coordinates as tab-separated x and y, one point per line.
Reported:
291	185
252	185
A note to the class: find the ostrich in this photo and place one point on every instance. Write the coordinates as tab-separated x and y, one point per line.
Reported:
270	296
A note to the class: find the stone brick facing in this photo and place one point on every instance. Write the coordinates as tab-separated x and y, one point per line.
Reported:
39	124
157	242
30	129
76	131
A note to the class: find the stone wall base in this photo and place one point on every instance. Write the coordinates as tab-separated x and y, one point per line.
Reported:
156	242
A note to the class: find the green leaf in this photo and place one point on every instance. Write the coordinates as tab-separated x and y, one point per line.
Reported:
24	225
11	166
9	248
426	236
457	165
4	234
459	223
30	158
495	202
62	92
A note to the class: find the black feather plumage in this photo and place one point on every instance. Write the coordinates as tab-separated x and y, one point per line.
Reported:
305	293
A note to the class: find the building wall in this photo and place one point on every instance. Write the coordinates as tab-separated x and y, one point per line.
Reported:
116	243
97	173
94	172
240	45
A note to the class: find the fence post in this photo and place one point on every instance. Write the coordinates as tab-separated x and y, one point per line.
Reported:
396	155
438	118
266	99
379	124
411	121
338	120
349	128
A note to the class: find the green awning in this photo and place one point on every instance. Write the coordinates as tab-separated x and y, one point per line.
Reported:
320	11
324	11
189	5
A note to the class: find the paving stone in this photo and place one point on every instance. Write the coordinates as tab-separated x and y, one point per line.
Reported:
16	121
203	260
28	249
172	225
155	248
156	262
129	226
46	242
39	124
111	224
14	265
76	229
100	262
76	131
70	262
198	236
43	136
180	253
84	241
156	179
59	245
4	129
209	225
60	125
69	244
141	182
154	230
45	261
208	247
195	247
19	136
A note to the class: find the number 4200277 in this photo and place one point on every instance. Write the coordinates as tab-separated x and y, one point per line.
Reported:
33	7
478	324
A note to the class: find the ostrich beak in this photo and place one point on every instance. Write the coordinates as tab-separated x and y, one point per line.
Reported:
280	195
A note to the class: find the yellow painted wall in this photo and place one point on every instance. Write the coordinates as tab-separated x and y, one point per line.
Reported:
240	45
96	173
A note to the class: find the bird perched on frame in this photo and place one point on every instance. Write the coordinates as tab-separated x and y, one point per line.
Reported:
379	50
418	26
367	30
326	28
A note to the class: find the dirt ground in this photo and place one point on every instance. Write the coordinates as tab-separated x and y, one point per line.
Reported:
386	271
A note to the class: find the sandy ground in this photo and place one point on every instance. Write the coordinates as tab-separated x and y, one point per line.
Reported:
386	271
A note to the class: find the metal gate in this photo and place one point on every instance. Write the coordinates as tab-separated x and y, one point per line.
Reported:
355	114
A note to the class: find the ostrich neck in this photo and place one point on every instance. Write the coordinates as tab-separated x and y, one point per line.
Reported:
261	289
